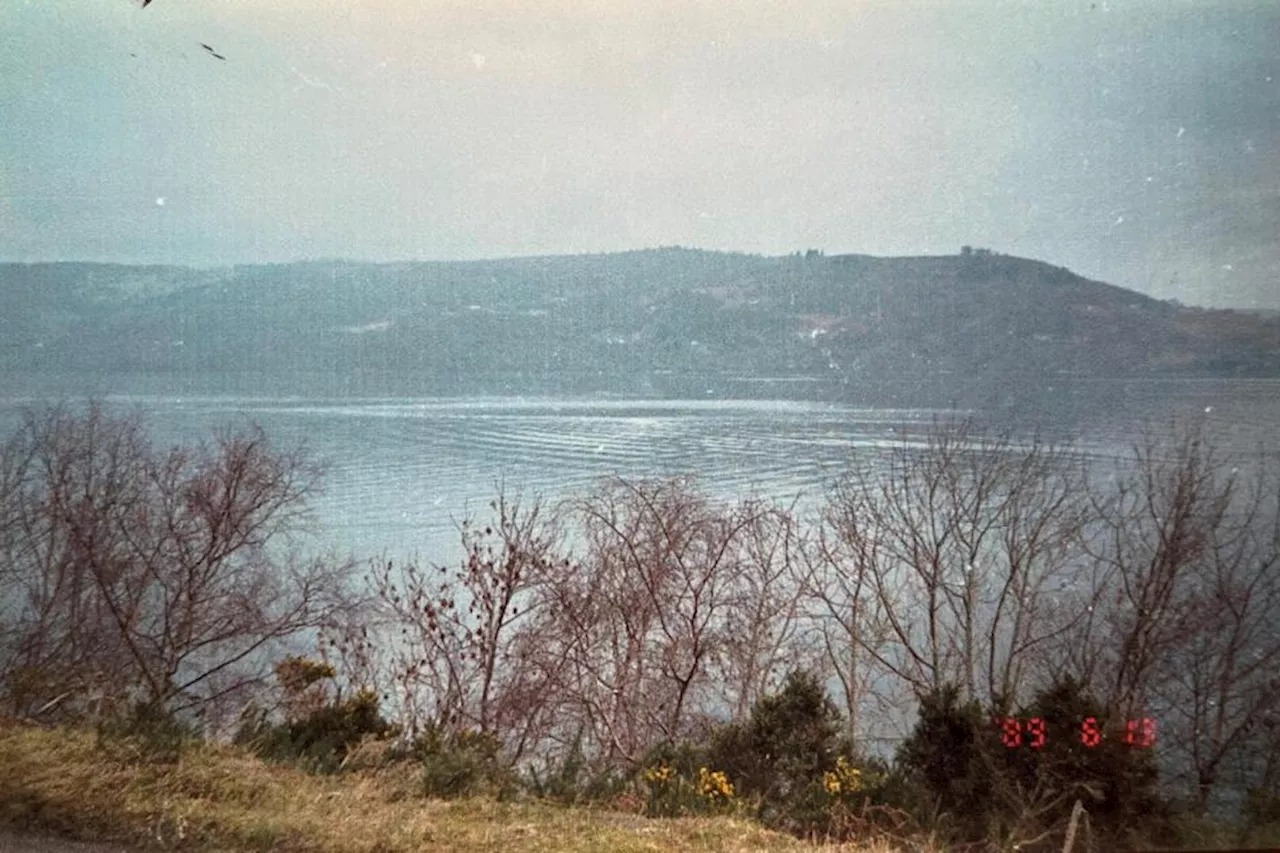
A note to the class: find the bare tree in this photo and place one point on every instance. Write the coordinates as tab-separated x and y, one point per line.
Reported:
462	641
1152	531
656	559
845	618
948	562
69	481
161	577
1191	548
660	624
764	620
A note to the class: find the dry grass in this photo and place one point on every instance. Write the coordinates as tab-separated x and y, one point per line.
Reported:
220	798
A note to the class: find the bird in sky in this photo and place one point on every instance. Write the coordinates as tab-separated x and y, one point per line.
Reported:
211	51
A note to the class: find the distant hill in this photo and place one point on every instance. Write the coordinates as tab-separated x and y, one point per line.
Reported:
662	321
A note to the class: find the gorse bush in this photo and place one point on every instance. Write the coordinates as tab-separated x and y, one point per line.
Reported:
944	762
462	763
320	740
321	729
844	780
318	731
779	757
300	677
983	790
1115	780
671	793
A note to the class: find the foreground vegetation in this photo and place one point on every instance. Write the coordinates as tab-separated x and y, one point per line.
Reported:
972	640
219	797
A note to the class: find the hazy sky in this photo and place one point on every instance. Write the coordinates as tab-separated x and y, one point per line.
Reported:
1136	142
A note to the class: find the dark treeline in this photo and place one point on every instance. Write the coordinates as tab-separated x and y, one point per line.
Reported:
838	673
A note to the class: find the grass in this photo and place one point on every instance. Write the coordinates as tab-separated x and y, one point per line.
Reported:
215	797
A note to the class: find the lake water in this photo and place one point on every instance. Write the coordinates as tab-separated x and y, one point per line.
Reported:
401	471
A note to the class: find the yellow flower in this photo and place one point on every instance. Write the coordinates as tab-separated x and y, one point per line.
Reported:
714	784
659	775
844	779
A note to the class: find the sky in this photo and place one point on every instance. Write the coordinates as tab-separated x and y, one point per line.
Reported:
1132	141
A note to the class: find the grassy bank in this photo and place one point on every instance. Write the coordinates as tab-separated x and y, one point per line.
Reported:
216	797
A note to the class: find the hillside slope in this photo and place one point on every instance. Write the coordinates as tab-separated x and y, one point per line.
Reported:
634	322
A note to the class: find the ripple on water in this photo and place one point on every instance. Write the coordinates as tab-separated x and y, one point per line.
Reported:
400	472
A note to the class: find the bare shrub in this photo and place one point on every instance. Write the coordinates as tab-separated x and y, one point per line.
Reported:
950	562
460	641
1189	547
678	612
161	577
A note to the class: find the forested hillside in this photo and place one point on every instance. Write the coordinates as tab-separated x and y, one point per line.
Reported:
654	321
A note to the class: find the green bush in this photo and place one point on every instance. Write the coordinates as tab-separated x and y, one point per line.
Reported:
682	779
971	788
1116	782
320	740
778	757
944	766
462	764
